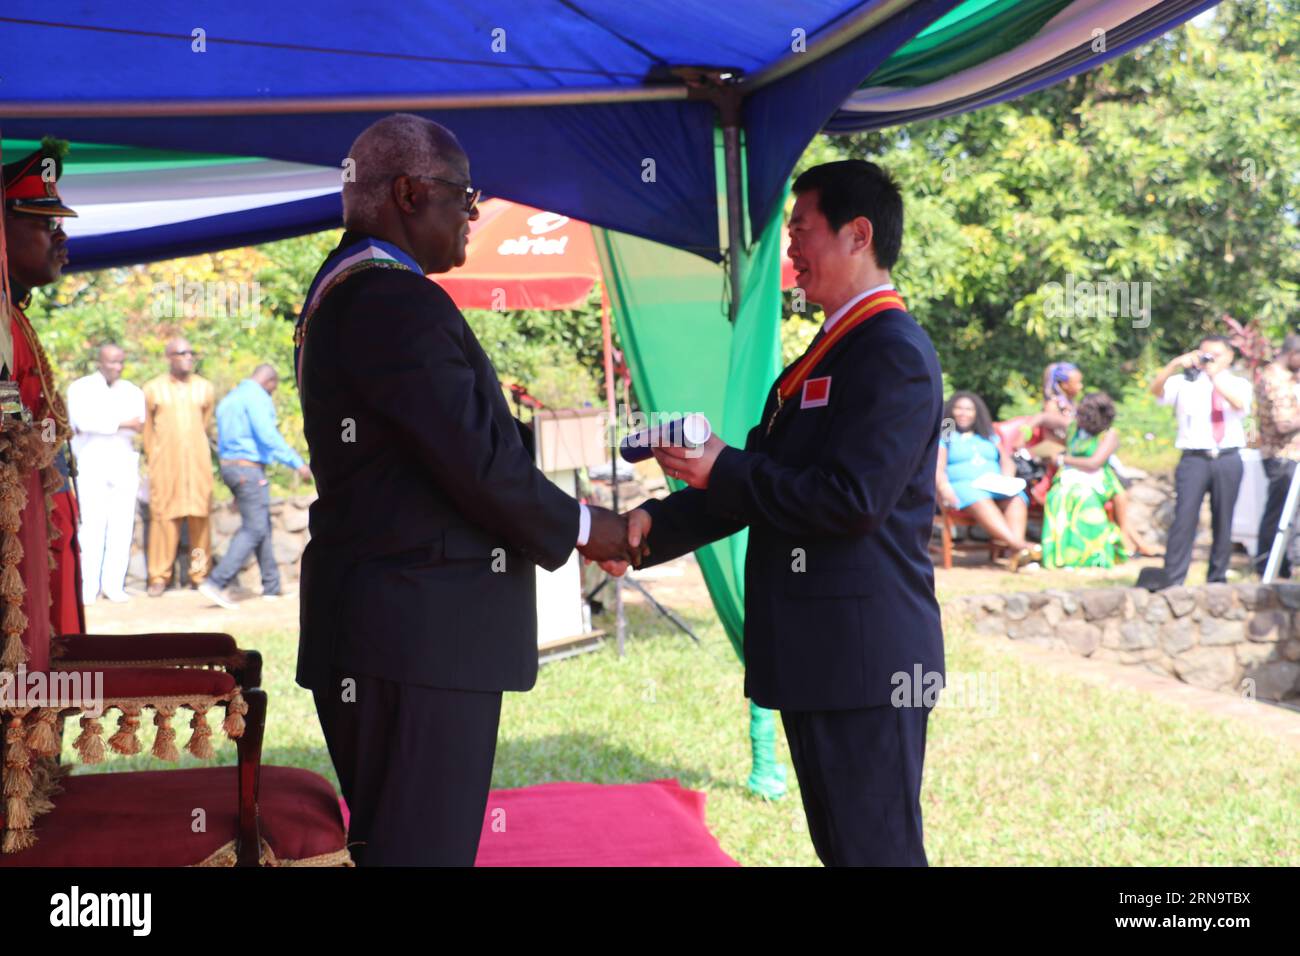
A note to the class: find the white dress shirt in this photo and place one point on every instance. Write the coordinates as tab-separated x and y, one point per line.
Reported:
1192	407
844	309
96	411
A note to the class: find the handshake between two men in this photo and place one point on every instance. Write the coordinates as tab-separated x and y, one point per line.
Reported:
617	541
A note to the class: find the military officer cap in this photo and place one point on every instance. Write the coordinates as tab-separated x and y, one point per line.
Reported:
30	183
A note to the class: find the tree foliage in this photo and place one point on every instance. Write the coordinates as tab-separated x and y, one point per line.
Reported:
1177	165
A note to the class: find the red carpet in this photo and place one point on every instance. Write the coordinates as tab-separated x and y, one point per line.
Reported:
589	824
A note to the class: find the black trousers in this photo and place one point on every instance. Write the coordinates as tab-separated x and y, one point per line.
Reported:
1279	472
860	776
1196	475
415	765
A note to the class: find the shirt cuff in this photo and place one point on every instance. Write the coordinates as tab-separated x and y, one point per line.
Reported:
584	524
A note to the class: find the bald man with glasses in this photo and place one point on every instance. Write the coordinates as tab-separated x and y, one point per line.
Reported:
419	583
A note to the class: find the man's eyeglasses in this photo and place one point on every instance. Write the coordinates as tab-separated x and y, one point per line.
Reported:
185	352
470	195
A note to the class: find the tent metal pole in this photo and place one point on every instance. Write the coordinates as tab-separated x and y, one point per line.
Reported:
728	103
735	214
851	27
620	624
250	106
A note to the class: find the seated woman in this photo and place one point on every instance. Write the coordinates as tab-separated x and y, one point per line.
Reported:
968	450
1077	532
1062	386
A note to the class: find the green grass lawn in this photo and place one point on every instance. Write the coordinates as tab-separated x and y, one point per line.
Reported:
1056	773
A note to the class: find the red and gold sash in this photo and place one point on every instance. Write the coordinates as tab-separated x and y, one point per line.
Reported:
35	379
794	377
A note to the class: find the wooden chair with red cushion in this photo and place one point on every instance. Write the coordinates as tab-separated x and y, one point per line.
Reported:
252	815
199	649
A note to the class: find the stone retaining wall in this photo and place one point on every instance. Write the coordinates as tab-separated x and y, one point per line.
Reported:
1237	638
288	535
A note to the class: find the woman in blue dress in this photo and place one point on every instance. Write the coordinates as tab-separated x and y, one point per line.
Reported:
968	449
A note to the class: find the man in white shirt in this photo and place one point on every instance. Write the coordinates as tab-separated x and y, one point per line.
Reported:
106	413
1210	405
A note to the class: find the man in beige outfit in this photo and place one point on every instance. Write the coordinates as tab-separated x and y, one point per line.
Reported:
178	423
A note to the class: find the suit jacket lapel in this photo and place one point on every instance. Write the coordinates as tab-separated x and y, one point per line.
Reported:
785	415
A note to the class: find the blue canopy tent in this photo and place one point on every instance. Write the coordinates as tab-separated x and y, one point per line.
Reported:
603	110
560	105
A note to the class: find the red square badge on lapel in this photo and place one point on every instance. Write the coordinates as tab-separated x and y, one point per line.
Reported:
816	393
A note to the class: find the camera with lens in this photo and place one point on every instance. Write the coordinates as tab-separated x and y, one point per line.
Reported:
1202	359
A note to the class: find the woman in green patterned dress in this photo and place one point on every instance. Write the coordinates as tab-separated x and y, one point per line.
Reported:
1077	532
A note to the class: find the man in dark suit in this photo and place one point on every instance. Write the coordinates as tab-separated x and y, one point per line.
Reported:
836	485
418	586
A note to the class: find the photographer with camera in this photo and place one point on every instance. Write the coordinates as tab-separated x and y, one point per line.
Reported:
1210	404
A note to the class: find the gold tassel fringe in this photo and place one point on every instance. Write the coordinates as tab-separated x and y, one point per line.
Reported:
233	725
126	741
164	741
90	744
200	744
42	738
15	653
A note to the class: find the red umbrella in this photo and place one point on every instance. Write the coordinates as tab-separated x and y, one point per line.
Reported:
524	258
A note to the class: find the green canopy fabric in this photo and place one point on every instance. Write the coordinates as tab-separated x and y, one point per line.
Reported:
685	356
976	31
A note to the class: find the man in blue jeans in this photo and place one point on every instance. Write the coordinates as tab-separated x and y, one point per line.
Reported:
248	440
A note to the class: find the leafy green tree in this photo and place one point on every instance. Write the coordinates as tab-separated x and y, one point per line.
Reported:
1177	165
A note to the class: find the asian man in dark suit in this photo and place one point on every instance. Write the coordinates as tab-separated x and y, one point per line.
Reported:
418	603
836	486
